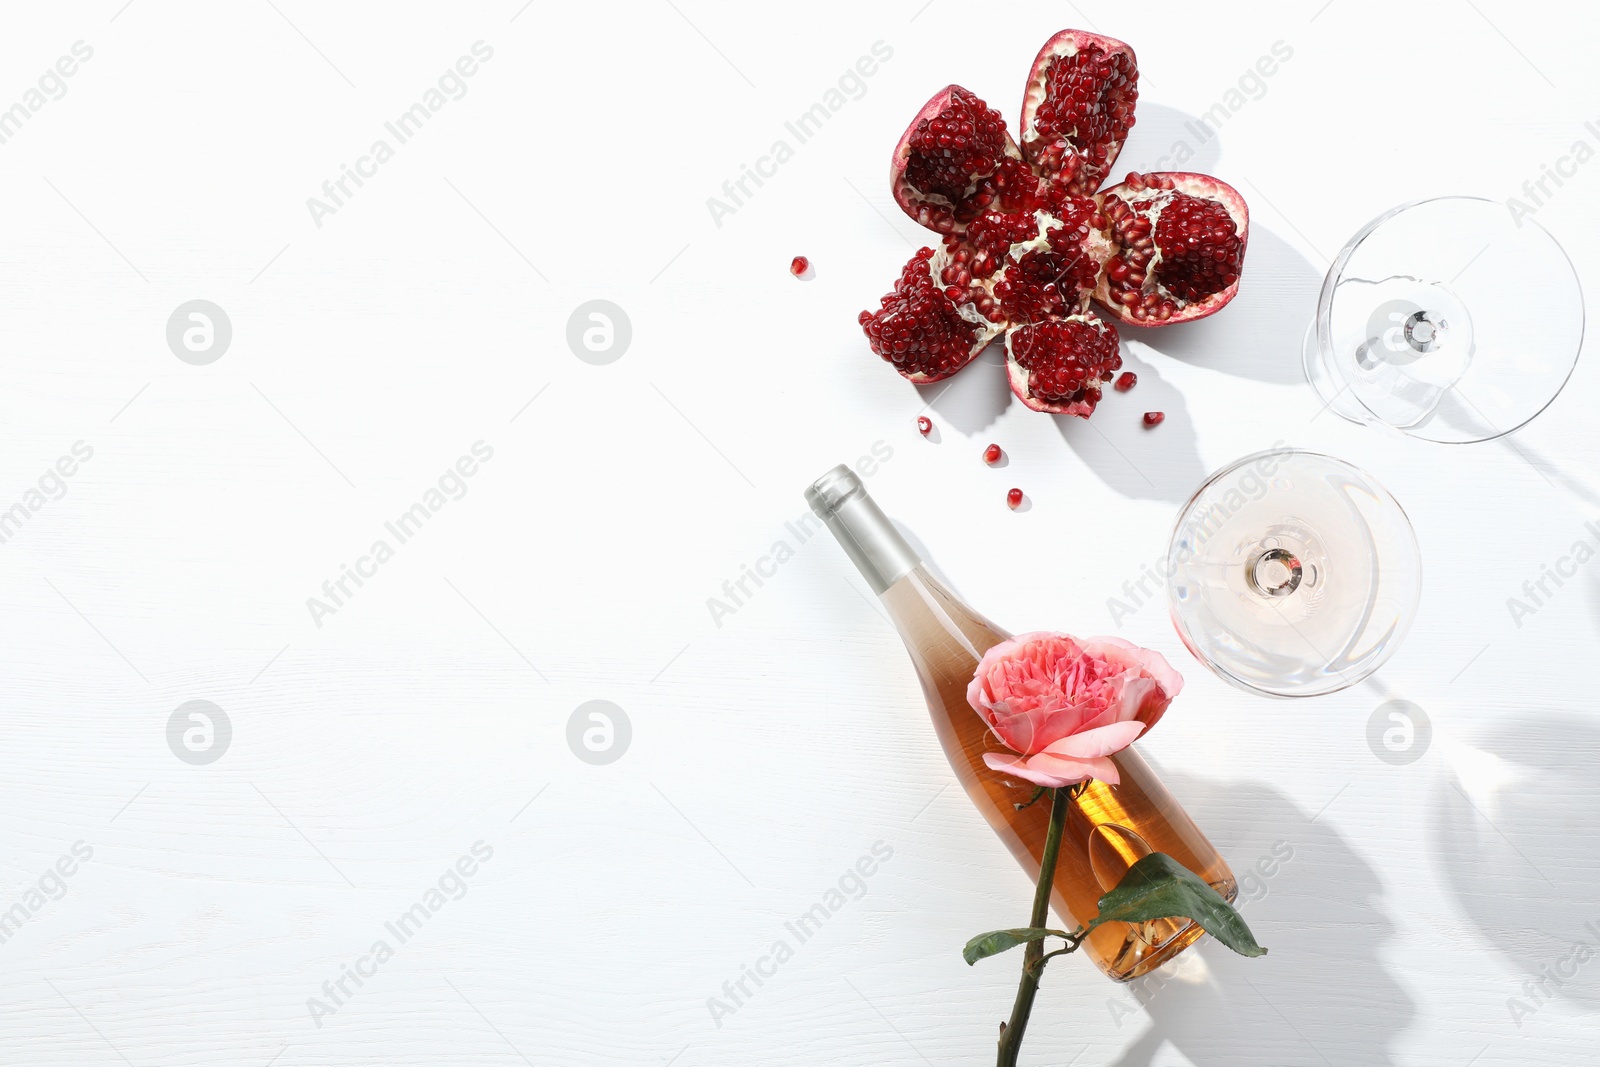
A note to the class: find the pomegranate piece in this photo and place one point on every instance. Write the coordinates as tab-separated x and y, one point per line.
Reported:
1062	366
924	425
991	455
1051	273
1014	498
918	329
955	161
1180	242
1077	108
799	265
1125	381
1154	418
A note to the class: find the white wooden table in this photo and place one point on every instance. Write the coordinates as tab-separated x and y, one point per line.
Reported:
397	765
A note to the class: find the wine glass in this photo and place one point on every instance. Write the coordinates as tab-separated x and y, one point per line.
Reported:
1450	320
1293	573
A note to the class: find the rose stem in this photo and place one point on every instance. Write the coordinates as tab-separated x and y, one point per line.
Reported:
1033	952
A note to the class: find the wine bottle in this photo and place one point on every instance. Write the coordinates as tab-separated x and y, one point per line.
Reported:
1109	828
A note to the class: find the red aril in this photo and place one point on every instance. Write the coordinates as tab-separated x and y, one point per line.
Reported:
1050	271
1014	498
1154	418
955	161
799	265
1062	366
1180	242
1126	381
1078	107
924	425
918	330
991	455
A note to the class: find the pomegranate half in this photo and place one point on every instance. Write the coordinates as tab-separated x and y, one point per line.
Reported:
1180	242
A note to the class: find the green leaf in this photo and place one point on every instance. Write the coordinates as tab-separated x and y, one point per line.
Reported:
996	941
1159	887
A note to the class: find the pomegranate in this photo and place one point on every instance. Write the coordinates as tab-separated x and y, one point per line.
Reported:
1078	107
1028	242
1062	366
1180	243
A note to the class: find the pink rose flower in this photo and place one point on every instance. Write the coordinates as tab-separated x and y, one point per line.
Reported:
1064	705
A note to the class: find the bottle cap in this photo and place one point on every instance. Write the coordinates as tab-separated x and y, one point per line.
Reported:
862	529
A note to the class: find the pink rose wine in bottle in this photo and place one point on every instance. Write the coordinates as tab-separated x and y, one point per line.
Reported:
1108	829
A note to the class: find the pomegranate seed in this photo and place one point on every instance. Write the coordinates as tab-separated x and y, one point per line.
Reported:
1125	381
1154	418
1014	498
924	425
799	265
991	455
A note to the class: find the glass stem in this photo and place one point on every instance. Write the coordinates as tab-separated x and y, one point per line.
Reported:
1012	1032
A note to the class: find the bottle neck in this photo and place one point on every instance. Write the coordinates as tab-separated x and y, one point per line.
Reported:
944	635
865	533
938	625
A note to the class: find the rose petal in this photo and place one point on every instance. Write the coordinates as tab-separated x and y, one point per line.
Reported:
1018	767
1104	741
978	691
1033	731
1068	769
1143	698
1053	772
1148	660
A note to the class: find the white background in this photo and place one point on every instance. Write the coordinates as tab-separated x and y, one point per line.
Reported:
769	752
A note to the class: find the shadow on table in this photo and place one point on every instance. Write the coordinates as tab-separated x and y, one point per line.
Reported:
977	395
1517	830
1165	138
1321	996
1138	461
1261	332
1257	336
